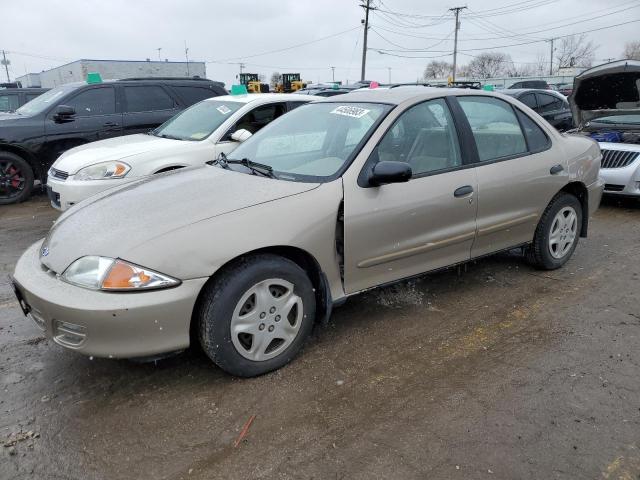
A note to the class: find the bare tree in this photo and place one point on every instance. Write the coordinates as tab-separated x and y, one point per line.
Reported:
575	51
276	78
632	50
437	69
490	64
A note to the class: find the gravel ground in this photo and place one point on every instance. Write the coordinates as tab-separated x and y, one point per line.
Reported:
493	370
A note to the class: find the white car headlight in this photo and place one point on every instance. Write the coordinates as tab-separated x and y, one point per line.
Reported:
102	171
103	273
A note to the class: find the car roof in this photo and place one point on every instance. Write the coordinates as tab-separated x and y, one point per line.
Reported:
514	92
398	95
263	98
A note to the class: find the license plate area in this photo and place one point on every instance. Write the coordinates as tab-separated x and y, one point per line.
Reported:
24	306
53	196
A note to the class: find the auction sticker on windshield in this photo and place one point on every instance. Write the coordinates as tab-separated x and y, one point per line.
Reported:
223	109
349	111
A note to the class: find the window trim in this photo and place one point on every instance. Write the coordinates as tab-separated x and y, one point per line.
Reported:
66	100
508	157
555	98
464	153
125	102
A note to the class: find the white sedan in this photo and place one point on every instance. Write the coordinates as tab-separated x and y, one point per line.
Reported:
198	134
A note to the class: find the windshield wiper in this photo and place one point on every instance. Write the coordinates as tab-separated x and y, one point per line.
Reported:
221	160
255	167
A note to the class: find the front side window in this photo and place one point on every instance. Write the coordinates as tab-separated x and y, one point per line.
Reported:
198	121
46	100
96	101
495	128
150	98
8	103
313	142
424	136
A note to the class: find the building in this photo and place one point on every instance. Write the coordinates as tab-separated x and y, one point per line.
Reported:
112	70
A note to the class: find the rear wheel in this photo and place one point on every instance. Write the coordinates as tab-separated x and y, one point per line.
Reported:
557	233
16	179
255	317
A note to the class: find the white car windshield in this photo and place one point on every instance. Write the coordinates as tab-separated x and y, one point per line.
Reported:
198	121
313	142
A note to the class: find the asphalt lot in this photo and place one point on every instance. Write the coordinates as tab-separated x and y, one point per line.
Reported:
490	371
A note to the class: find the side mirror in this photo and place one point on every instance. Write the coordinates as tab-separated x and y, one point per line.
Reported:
389	172
64	113
241	135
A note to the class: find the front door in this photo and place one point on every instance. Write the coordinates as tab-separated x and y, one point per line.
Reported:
399	230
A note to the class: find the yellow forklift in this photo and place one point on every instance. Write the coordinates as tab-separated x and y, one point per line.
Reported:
290	83
252	82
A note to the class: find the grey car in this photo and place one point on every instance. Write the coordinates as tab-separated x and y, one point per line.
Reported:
339	196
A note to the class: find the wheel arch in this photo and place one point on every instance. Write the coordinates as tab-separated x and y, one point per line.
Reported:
579	190
300	257
26	156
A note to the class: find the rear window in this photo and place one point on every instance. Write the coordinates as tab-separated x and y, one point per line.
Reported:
192	95
536	138
148	98
8	103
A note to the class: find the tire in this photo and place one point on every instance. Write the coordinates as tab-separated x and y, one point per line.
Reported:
16	179
269	302
547	253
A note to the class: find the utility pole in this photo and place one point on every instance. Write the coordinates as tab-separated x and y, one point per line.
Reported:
551	58
186	54
366	7
159	50
6	63
456	11
333	74
241	67
389	68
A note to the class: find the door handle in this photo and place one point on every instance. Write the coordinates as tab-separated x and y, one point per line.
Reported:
556	169
111	124
463	191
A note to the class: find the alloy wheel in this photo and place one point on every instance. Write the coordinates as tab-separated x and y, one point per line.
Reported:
563	232
12	180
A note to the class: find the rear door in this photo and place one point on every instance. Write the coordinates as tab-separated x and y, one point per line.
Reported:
403	229
515	182
146	107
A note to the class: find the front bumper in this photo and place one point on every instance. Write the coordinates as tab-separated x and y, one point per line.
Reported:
105	324
63	194
622	181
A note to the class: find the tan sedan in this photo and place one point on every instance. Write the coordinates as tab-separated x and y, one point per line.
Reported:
334	198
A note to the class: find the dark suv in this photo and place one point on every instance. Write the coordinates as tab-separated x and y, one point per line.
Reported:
13	98
33	137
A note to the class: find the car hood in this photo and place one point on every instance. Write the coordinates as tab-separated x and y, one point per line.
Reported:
130	147
609	89
115	222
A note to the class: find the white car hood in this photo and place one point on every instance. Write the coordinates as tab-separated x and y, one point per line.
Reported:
129	149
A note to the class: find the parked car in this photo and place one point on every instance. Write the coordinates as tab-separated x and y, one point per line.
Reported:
13	98
537	84
339	196
74	114
550	105
564	88
606	106
194	136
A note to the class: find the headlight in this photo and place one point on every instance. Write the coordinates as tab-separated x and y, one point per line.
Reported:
103	273
102	171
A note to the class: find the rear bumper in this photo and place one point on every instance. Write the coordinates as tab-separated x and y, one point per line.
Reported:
622	181
105	324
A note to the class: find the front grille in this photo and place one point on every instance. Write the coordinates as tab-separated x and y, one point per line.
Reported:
618	158
59	174
613	188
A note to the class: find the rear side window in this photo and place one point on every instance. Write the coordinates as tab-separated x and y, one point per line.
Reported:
536	138
8	103
193	95
96	101
31	96
147	99
529	100
495	127
548	103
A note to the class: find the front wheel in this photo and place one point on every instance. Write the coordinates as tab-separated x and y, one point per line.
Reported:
16	178
256	316
557	233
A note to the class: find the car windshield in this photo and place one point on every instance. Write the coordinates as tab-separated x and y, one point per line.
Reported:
44	101
198	121
313	142
619	119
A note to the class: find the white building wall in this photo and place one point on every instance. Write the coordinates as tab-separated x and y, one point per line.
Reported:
30	80
116	69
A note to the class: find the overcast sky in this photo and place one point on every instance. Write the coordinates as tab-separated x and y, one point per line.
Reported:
42	34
